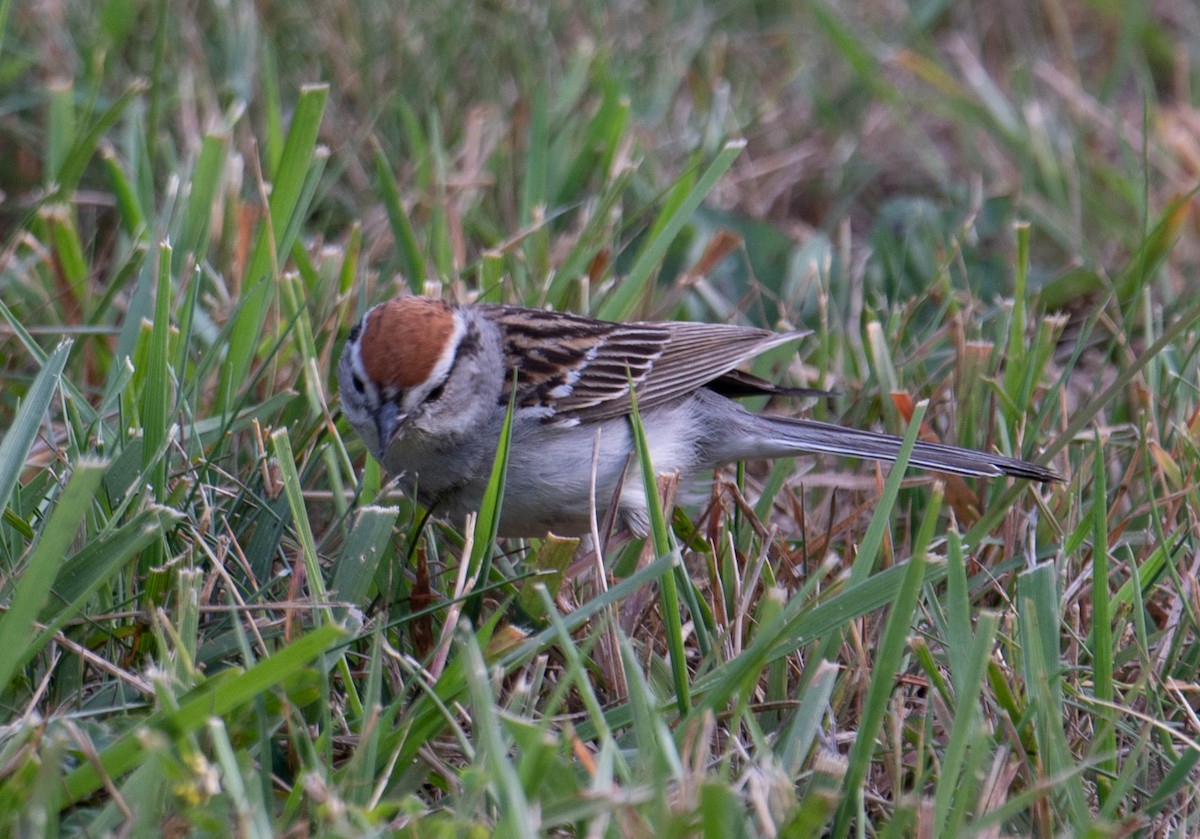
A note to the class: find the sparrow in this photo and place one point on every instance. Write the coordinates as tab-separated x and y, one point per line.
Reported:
426	384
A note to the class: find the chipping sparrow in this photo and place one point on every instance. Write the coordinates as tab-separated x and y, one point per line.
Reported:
426	385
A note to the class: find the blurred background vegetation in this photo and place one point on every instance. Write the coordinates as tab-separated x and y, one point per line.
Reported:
989	205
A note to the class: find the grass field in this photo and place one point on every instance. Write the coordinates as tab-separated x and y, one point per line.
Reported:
218	617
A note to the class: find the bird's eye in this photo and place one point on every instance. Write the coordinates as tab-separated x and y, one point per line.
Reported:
436	393
358	383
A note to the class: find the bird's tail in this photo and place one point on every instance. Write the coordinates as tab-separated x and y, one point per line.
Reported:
785	436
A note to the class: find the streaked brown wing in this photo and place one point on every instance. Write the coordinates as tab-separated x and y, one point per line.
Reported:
567	364
699	353
579	369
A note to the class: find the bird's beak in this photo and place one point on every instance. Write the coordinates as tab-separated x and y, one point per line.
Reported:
388	421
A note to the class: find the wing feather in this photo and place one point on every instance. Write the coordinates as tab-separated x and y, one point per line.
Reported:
577	368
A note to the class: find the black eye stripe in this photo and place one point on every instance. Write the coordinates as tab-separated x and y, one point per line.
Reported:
436	393
358	383
469	345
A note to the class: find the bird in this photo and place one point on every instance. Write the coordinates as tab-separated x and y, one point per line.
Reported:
426	384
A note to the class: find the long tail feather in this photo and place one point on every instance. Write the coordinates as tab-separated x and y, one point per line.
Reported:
802	435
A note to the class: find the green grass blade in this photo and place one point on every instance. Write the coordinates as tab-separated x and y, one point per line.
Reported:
1105	748
155	395
592	239
16	442
807	624
366	545
668	593
632	288
33	585
958	787
550	562
68	252
102	556
412	263
658	750
251	812
291	182
487	525
281	444
888	655
868	552
129	207
205	181
1038	623
84	146
516	814
802	731
218	697
537	164
1015	355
